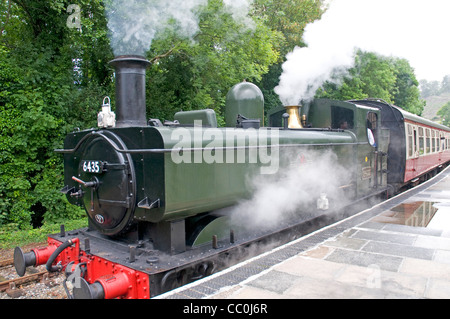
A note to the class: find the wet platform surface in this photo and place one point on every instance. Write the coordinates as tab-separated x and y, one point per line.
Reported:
397	249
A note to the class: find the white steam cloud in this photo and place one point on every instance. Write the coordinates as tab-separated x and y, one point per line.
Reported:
294	191
240	9
134	24
411	29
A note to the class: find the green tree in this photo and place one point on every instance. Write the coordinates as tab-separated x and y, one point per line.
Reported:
435	87
444	114
53	77
41	100
375	76
445	85
187	75
406	93
289	19
429	88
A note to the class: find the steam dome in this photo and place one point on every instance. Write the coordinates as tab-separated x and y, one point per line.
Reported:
245	99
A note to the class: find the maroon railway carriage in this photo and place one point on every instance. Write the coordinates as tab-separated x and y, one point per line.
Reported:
418	149
427	146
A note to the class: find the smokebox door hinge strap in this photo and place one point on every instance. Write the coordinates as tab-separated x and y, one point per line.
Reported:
147	204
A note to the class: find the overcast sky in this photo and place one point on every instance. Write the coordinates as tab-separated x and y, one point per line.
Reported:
418	30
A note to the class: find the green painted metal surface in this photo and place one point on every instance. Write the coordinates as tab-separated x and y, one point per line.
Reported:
245	99
192	170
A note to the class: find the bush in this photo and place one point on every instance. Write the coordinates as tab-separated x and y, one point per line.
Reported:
11	235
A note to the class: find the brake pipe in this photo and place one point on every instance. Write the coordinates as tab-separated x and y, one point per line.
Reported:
57	252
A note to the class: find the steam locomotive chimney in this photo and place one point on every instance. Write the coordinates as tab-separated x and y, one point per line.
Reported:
294	116
130	90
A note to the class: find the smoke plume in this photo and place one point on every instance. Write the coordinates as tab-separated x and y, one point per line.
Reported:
410	29
134	24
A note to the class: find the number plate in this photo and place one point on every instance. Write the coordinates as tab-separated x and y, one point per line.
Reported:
95	167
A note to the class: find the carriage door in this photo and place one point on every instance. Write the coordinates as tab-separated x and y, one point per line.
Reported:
441	145
415	145
373	138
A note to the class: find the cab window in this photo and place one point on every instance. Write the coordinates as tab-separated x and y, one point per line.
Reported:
342	118
372	128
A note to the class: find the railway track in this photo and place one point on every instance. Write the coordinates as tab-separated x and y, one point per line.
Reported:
14	283
18	286
6	262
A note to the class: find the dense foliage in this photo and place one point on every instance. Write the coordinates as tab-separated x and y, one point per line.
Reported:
444	113
374	76
41	99
54	74
197	74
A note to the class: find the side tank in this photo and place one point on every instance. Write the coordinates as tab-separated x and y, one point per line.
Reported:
158	174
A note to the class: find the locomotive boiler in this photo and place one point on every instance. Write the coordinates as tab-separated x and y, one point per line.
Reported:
156	194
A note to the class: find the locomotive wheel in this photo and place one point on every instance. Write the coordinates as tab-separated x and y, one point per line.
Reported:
174	279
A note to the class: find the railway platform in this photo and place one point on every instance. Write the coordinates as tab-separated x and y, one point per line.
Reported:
397	249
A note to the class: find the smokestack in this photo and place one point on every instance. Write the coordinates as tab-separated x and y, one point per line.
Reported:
130	90
294	116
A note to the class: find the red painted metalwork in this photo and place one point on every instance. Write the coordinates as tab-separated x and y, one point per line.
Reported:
117	280
43	254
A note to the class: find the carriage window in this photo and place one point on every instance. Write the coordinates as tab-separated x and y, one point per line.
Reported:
438	142
433	141
428	141
342	118
421	141
415	141
439	138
